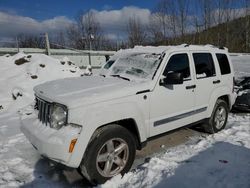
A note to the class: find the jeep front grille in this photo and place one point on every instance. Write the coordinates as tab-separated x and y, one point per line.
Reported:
43	108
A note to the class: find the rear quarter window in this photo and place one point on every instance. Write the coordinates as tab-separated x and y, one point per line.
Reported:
108	64
223	63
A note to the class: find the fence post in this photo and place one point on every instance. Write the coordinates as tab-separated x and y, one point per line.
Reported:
47	44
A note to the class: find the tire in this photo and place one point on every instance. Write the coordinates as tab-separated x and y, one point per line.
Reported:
218	119
105	144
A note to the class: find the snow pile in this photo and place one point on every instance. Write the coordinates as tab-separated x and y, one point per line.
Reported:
21	72
219	160
241	65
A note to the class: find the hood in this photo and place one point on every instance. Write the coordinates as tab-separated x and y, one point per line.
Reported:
78	91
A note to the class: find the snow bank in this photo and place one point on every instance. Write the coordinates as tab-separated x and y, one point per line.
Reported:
21	72
241	65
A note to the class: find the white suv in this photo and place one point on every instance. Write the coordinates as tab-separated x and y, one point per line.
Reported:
97	123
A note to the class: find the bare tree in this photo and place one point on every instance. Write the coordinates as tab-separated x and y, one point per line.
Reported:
157	28
136	32
91	30
172	15
30	41
182	12
86	32
58	40
159	22
206	7
247	14
197	21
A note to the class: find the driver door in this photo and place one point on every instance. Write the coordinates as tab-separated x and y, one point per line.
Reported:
172	105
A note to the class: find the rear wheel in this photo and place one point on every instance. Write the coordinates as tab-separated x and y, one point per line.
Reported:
218	119
110	152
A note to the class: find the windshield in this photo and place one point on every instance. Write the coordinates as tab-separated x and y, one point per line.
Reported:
136	66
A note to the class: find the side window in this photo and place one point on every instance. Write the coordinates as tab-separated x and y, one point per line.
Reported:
223	63
108	64
179	63
204	65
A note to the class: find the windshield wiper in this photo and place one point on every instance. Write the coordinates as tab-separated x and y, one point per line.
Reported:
119	76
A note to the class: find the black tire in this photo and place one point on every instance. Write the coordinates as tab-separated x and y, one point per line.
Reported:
210	124
89	168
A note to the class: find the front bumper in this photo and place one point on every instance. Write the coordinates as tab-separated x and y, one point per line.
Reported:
51	143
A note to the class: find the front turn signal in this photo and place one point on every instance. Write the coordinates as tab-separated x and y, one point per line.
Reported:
72	145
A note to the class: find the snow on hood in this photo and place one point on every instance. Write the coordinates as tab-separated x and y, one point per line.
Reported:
74	92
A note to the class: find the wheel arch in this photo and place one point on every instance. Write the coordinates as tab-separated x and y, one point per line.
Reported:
222	93
226	98
128	123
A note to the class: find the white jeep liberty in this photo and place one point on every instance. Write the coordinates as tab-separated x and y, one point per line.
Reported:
97	123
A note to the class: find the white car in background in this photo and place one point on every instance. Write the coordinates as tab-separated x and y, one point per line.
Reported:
97	123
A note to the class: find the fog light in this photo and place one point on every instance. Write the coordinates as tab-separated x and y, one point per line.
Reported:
72	145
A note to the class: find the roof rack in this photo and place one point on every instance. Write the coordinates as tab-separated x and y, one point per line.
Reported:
213	46
184	45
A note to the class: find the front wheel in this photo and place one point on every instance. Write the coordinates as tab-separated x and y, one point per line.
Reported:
110	152
218	119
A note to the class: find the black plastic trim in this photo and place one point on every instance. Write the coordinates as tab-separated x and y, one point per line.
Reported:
144	143
174	118
143	91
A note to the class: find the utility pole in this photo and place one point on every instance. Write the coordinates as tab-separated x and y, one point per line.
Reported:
47	44
91	37
17	45
118	43
247	24
90	48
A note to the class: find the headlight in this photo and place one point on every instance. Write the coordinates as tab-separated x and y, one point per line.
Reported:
58	116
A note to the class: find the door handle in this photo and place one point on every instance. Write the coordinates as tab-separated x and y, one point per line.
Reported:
191	87
216	82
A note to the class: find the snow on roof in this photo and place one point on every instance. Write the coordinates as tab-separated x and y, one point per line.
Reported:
161	49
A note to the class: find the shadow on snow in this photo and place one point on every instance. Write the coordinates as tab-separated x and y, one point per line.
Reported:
222	165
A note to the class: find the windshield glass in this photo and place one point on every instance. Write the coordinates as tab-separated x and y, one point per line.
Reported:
136	66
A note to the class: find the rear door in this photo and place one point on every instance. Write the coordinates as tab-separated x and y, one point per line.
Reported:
206	81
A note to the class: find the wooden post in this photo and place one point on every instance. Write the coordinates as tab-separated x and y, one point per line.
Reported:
47	44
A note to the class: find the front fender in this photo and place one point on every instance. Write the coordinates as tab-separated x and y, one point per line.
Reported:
97	115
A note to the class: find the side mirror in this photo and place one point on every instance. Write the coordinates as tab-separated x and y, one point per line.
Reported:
172	78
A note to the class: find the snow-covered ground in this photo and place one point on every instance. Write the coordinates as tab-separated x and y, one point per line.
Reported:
241	65
220	160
